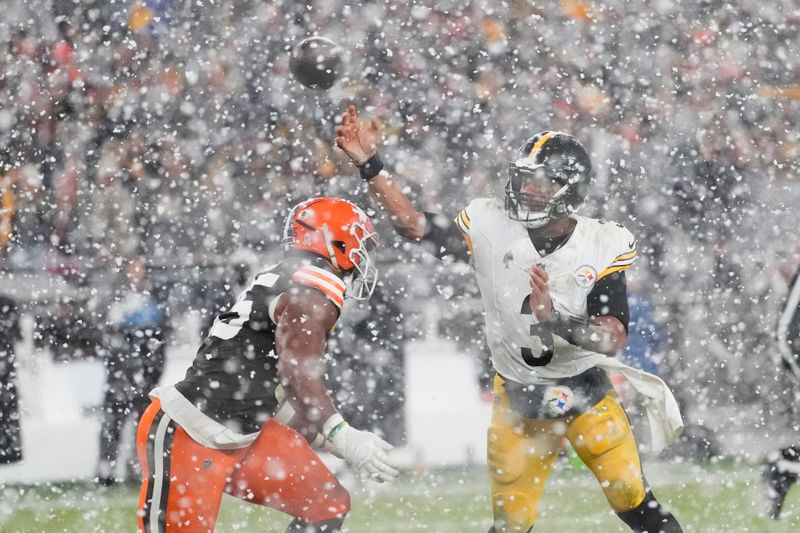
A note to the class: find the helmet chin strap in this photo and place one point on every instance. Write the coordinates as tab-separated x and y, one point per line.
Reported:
533	224
551	213
329	244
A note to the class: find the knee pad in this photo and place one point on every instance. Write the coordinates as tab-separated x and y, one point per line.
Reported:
517	482
506	460
514	512
600	430
625	494
334	506
604	440
338	501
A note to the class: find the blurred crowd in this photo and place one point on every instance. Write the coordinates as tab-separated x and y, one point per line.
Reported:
170	134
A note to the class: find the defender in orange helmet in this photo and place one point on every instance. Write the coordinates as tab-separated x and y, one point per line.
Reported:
218	430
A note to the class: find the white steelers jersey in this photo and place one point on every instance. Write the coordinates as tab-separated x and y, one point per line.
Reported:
503	253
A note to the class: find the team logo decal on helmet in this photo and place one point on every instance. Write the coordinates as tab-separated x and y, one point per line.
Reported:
340	232
548	180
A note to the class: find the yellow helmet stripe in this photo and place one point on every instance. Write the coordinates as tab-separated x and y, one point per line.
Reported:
537	146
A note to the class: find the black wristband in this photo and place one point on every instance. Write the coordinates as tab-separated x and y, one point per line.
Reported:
371	168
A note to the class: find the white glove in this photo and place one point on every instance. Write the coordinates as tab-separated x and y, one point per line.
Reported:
363	450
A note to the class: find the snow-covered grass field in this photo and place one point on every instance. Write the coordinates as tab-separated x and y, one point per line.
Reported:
725	497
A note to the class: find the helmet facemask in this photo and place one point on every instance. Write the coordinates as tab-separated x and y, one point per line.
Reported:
549	179
361	283
552	199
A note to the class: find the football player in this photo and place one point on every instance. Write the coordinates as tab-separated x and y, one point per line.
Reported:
554	293
783	467
216	431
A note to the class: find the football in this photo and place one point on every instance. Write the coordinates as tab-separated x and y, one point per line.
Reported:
316	63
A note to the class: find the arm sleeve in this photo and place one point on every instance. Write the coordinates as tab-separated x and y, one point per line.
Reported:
448	239
609	297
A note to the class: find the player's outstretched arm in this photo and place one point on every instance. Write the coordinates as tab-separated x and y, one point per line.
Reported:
303	319
360	143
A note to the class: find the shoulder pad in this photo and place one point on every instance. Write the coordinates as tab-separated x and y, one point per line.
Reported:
621	246
316	273
477	210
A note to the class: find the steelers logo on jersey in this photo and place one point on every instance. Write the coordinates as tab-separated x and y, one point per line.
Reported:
585	276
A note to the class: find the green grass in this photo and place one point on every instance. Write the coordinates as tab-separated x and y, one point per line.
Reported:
725	497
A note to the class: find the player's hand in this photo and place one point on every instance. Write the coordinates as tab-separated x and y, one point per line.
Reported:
365	452
359	142
540	300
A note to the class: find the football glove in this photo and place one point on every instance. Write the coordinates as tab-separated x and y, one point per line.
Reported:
363	450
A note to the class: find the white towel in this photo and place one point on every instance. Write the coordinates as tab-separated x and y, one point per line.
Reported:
662	409
201	428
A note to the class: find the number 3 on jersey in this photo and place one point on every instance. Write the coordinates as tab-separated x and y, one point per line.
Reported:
545	338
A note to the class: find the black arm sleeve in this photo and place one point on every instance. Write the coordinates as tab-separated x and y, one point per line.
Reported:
609	297
444	240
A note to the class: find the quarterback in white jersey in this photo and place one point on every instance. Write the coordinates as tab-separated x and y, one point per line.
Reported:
554	291
523	350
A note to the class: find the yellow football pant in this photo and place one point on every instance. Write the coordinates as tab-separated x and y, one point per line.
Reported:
521	453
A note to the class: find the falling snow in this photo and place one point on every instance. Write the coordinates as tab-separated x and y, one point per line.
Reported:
150	151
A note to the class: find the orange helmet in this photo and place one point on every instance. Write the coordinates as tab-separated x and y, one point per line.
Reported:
341	233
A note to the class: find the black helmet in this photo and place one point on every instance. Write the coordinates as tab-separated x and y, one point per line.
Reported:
561	160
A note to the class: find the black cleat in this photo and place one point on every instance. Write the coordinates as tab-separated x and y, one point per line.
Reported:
106	481
778	484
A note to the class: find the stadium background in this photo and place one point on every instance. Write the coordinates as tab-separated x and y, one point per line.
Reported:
172	130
